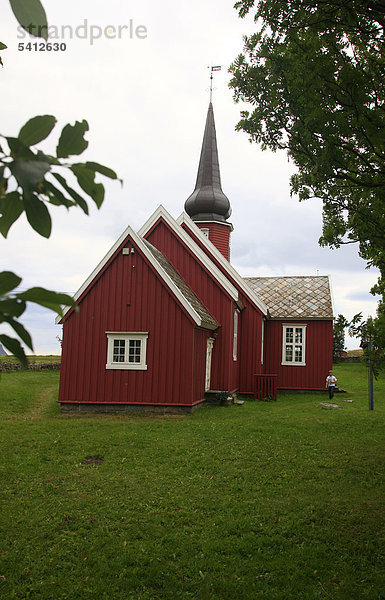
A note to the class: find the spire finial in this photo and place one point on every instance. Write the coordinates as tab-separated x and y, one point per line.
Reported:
208	202
215	68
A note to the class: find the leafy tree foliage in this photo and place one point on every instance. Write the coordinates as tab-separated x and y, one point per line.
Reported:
372	335
339	327
32	181
314	75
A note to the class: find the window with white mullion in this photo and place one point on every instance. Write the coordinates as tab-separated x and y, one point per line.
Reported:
126	350
293	349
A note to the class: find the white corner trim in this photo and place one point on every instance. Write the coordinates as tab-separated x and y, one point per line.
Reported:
202	256
185	219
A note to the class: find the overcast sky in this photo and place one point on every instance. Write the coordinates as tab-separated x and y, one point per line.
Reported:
137	72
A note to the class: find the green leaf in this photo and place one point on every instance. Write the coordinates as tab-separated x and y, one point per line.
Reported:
47	298
102	169
57	197
8	282
72	140
15	348
11	207
37	129
86	181
19	149
78	199
21	332
13	307
37	214
31	16
2	46
41	156
28	173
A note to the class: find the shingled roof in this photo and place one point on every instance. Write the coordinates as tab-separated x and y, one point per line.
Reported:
294	297
207	319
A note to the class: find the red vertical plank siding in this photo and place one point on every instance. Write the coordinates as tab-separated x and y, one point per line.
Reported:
219	235
319	344
170	347
225	371
250	339
250	329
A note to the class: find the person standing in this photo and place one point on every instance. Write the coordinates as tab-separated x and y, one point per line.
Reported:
331	382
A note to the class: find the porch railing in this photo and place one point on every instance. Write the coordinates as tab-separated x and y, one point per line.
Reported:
265	387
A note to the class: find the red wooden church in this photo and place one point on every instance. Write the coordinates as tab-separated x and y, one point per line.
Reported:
165	321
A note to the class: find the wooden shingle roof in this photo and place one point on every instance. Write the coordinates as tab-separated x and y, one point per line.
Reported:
295	297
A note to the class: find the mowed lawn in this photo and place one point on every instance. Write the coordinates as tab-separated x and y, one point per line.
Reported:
271	500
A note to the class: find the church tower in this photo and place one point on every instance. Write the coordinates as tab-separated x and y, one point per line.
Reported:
208	206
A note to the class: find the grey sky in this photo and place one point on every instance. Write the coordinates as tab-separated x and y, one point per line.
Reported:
146	99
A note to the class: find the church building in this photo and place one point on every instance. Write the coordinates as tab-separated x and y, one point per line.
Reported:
165	322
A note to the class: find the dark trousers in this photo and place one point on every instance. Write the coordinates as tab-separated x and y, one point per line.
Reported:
331	391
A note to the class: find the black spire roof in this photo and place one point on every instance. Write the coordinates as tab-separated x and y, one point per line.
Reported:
208	202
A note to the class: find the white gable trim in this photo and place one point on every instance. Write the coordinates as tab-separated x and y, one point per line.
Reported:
202	256
184	219
129	232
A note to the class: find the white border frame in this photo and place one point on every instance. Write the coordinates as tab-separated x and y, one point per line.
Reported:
293	363
126	336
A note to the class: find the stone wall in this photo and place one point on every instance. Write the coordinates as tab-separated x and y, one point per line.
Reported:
349	359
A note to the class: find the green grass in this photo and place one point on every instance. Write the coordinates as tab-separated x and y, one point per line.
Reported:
267	501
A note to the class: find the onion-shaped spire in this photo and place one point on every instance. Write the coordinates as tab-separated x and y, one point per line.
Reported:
208	202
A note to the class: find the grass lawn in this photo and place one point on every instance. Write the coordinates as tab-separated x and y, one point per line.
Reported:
267	501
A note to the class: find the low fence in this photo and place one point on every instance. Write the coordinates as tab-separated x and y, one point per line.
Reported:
54	366
265	387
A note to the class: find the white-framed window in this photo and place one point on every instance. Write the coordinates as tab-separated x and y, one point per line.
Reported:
235	335
294	344
126	350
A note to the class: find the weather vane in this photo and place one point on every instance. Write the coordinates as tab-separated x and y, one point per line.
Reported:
212	69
